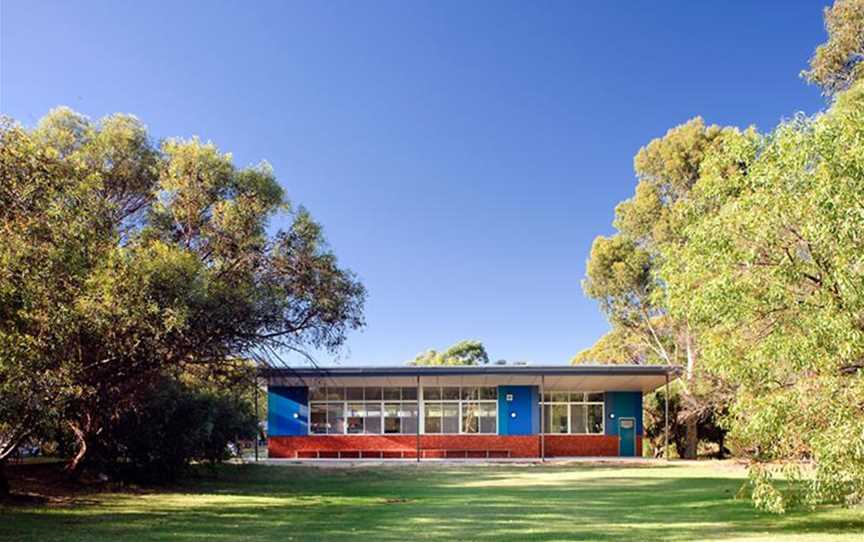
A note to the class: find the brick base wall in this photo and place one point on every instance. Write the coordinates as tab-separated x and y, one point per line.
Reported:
404	446
585	446
396	446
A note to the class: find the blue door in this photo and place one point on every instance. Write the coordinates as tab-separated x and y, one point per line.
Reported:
627	437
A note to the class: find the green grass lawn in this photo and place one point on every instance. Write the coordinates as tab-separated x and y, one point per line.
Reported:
441	502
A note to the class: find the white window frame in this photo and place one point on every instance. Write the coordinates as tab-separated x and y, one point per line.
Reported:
419	401
345	402
459	402
568	403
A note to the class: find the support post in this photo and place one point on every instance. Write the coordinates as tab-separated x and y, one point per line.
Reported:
257	417
542	420
417	424
666	416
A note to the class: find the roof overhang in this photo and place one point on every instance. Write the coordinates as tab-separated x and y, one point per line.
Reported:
645	378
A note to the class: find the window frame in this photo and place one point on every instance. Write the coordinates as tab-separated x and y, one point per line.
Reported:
460	402
420	402
569	406
345	404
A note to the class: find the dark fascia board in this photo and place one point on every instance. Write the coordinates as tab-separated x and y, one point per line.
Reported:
453	370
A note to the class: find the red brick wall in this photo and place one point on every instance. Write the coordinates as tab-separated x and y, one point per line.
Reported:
444	446
585	446
404	446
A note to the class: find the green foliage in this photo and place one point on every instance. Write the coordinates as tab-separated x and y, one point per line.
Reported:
122	261
836	65
623	273
461	353
619	345
771	275
171	426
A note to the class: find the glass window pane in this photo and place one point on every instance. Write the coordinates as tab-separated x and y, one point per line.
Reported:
409	393
595	397
547	419
577	396
335	394
470	394
450	418
432	394
392	421
317	418
488	418
335	418
470	423
450	393
547	396
489	392
432	417
373	417
409	417
595	418
555	418
354	416
392	393
578	420
560	396
354	394
373	394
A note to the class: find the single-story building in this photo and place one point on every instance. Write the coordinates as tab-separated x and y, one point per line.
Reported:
459	411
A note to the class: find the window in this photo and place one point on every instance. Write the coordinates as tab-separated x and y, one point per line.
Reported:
432	418
356	410
450	418
470	418
335	418
454	410
326	418
317	418
574	412
400	417
555	418
394	410
488	417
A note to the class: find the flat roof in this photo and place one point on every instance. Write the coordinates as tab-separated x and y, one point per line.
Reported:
485	370
596	377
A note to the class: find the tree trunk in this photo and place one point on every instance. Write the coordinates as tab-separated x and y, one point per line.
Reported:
691	438
691	356
4	482
691	428
74	464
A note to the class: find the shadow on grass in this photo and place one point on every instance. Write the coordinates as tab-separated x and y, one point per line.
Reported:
490	503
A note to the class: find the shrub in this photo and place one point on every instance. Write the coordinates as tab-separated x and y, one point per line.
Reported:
174	425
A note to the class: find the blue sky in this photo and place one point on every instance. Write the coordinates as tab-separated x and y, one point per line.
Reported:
461	156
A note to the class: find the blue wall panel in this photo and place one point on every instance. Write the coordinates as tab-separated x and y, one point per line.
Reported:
524	405
623	404
282	406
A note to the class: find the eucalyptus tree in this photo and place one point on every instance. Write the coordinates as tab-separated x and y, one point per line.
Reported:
771	274
837	63
623	271
122	259
462	353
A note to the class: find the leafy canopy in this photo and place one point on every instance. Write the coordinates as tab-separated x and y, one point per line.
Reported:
462	353
837	63
122	260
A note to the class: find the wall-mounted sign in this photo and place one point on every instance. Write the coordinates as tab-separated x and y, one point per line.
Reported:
509	397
